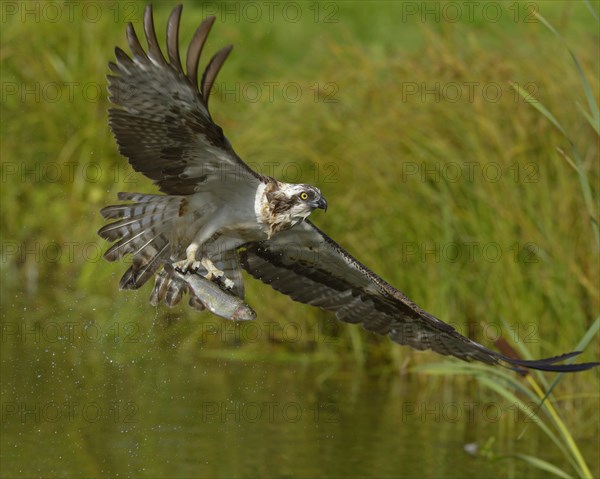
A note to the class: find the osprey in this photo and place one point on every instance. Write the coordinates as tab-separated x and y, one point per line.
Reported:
217	215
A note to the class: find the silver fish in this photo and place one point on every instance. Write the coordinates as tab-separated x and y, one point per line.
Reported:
171	285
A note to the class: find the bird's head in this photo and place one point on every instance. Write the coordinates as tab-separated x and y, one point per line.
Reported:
290	204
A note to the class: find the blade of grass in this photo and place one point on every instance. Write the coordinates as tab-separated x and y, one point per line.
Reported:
587	192
540	464
551	410
587	89
582	466
529	98
594	123
595	113
520	345
587	337
589	95
531	414
567	158
583	179
501	383
591	9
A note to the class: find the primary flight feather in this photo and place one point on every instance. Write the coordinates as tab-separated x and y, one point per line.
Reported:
217	215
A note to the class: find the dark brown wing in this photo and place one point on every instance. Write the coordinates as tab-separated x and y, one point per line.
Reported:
161	120
311	268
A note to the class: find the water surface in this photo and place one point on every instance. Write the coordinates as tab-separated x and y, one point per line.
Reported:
82	409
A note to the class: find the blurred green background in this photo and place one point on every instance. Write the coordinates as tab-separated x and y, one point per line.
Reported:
439	177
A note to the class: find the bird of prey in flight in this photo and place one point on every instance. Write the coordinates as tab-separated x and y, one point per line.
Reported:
217	215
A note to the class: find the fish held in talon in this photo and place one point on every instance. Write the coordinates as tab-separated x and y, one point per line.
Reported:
216	300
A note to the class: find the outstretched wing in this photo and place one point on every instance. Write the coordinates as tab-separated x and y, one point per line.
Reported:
161	120
311	268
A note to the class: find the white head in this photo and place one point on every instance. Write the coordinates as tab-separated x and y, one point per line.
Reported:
289	203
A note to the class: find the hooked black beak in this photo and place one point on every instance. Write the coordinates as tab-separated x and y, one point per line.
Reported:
321	203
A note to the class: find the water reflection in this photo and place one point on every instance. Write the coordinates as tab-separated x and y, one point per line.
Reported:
88	410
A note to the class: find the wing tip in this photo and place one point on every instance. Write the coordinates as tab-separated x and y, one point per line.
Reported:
549	364
212	70
154	53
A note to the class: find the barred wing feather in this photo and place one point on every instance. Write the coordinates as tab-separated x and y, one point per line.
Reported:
311	268
161	119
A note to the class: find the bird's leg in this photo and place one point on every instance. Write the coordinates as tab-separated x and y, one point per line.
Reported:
215	273
189	263
192	265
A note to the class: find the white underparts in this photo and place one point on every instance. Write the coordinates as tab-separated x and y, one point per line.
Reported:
259	203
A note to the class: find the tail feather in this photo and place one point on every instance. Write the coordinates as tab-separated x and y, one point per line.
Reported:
115	211
174	295
145	264
114	230
154	256
170	288
129	227
141	230
140	197
135	210
161	285
127	245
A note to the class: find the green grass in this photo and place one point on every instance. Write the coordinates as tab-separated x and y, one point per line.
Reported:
516	255
536	401
544	281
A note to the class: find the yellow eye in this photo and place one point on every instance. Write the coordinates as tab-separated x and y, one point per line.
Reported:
303	195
